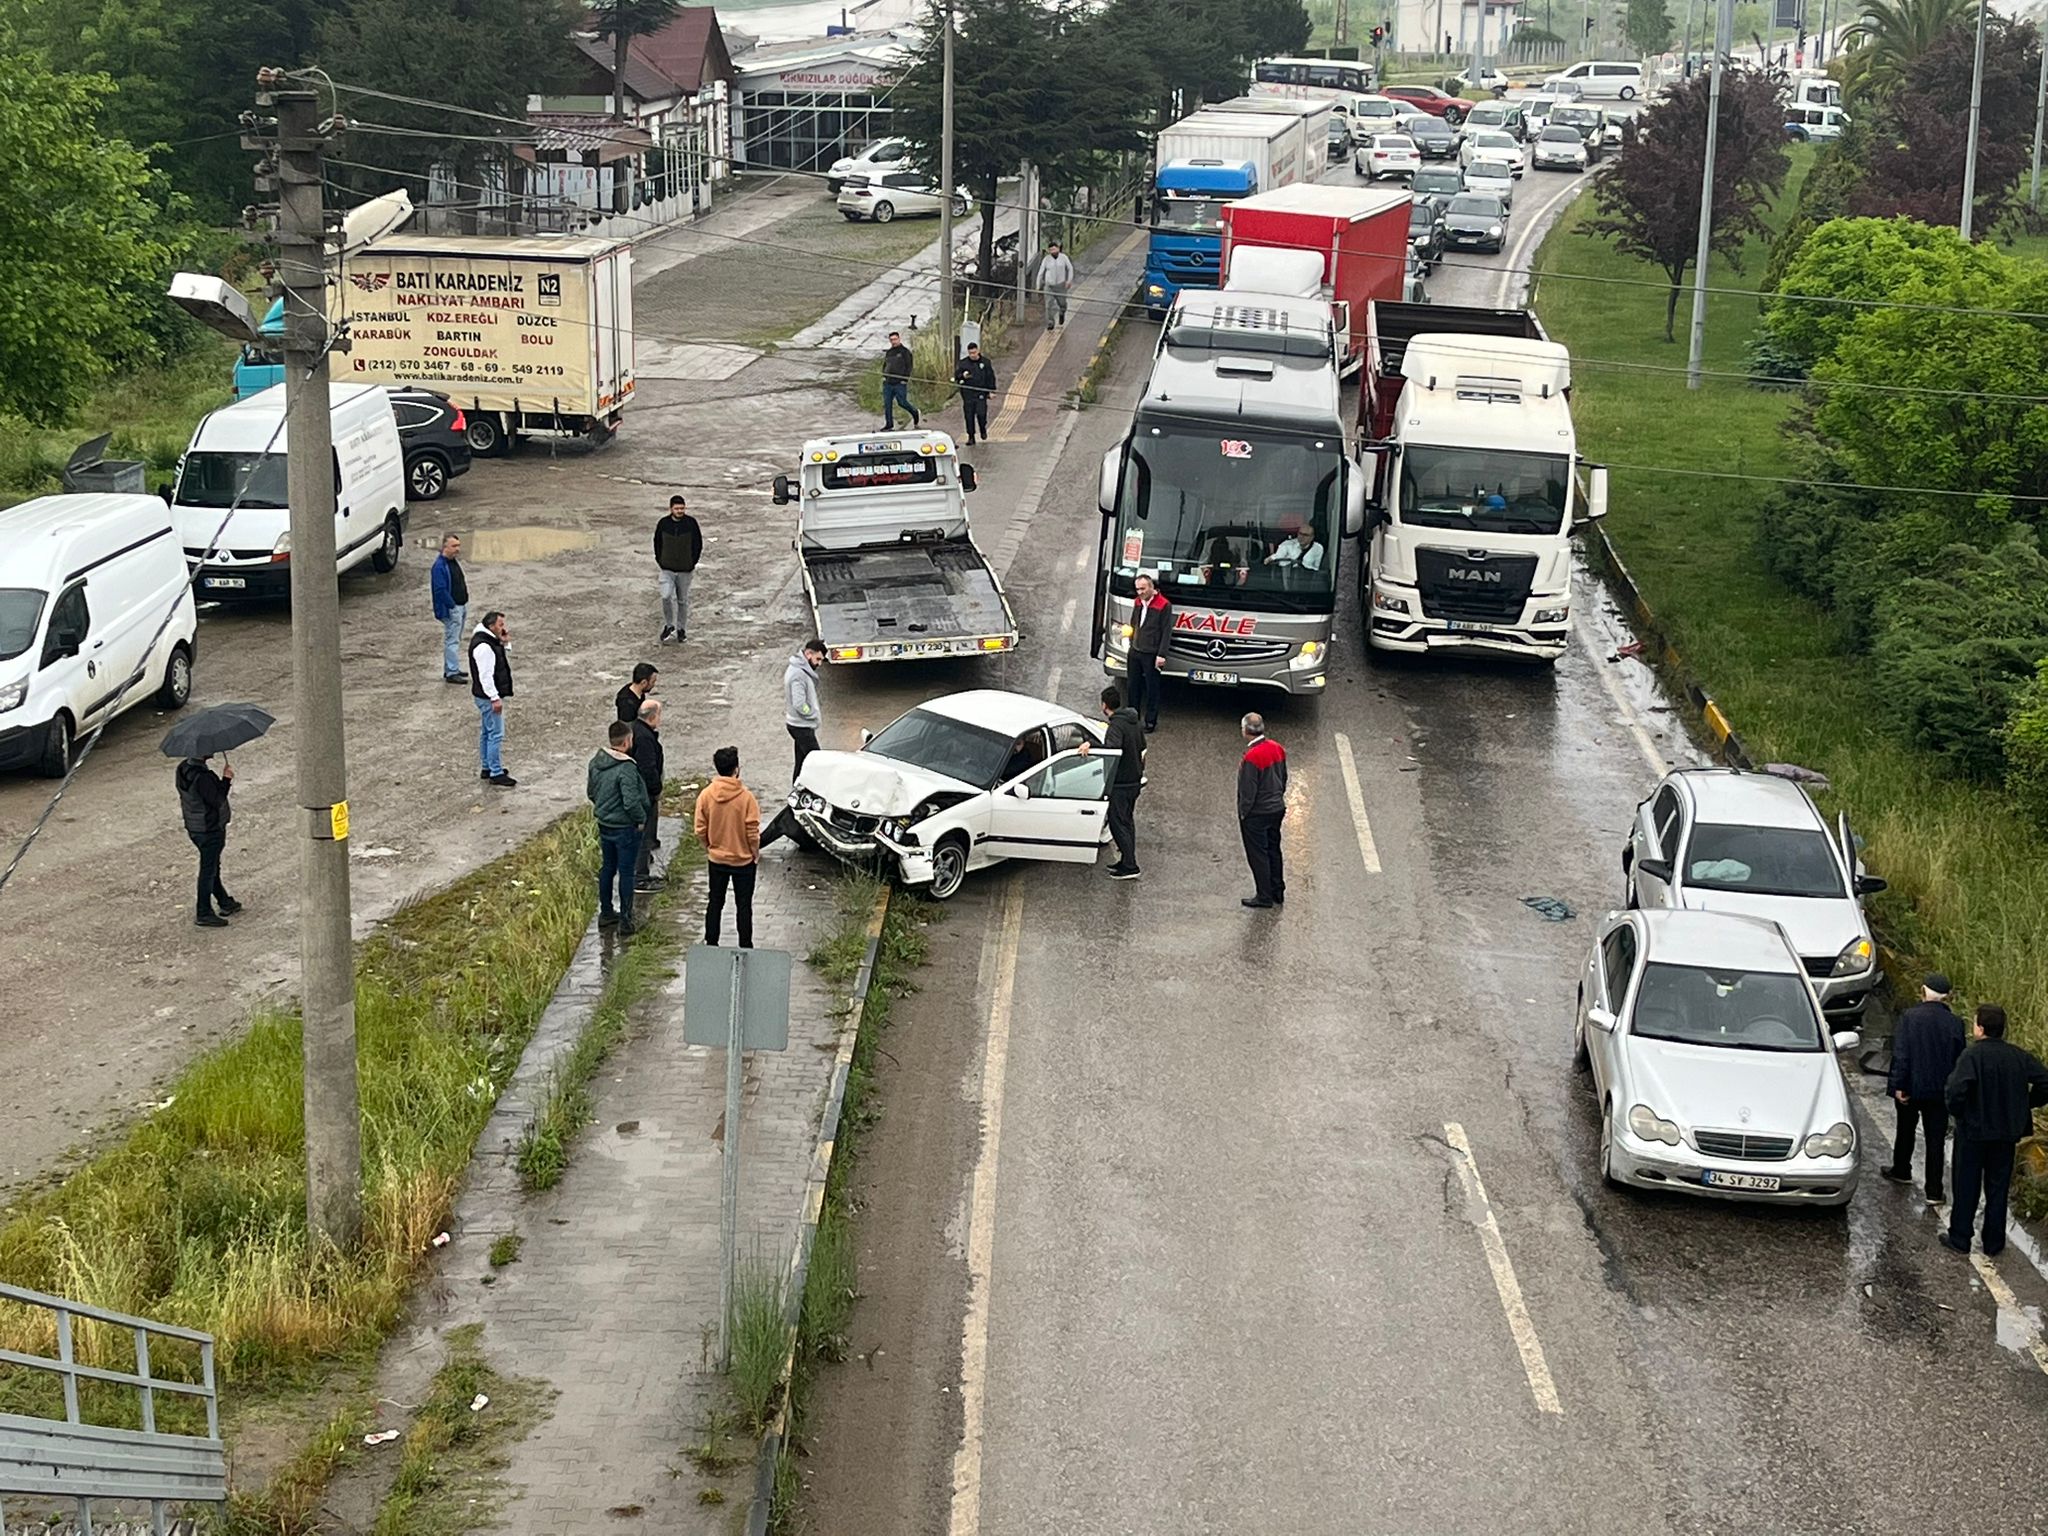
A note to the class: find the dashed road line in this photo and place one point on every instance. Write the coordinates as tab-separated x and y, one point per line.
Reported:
1519	1324
1067	615
1367	848
1052	685
1622	702
965	1516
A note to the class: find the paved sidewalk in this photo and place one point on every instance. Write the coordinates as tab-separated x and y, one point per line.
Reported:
902	296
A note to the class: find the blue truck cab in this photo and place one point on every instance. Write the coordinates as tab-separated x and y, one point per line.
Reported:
260	366
1187	228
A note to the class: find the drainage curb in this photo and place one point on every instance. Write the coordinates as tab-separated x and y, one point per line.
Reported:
763	1505
1664	655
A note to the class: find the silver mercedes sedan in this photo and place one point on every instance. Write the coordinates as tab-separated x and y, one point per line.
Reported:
1713	1064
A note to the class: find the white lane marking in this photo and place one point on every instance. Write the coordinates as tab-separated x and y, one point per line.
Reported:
1067	615
1622	702
1524	1331
2014	1316
1517	274
1081	560
1367	849
1052	685
965	1518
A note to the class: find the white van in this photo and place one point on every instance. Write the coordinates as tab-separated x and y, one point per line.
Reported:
240	450
1610	78
93	595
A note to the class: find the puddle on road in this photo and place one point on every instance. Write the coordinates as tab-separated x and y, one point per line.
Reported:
526	543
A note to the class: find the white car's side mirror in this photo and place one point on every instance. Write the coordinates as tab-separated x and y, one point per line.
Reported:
1601	1020
1847	1039
866	737
1021	791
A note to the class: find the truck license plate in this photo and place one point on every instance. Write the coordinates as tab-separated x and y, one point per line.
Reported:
235	582
1467	624
1228	679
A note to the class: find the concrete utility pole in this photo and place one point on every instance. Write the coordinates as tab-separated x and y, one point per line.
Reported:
1976	122
946	330
334	1203
2040	116
1343	34
1724	39
1479	47
1685	48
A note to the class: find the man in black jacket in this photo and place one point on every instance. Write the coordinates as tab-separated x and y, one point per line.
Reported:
1261	802
1992	1093
678	546
1151	618
646	678
490	685
1925	1047
648	757
976	376
203	801
896	365
1126	737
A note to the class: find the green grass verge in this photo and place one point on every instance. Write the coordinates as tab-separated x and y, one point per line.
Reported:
151	413
1969	877
832	1284
931	371
196	1216
449	1462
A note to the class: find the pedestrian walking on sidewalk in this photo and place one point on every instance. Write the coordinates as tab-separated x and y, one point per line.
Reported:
729	826
645	677
1926	1045
1056	280
1126	738
203	802
1992	1094
976	377
678	546
618	799
490	685
1261	802
896	364
800	701
1151	619
652	762
451	605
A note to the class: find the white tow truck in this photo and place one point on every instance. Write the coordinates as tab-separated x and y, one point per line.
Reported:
1466	415
890	565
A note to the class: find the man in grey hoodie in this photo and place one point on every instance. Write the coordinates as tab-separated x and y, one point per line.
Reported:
800	701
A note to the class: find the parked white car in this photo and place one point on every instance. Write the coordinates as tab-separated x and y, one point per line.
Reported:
96	617
1499	147
898	195
1389	154
1714	1069
1559	149
959	783
1375	114
1489	78
1719	840
878	159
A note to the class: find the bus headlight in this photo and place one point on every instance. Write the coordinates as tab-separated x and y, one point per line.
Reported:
1308	658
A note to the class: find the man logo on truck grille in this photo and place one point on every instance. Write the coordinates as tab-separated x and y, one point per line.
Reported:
1466	573
550	287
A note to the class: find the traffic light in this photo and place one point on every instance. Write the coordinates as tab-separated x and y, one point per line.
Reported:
1589	26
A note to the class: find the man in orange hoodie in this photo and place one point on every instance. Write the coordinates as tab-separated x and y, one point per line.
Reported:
729	827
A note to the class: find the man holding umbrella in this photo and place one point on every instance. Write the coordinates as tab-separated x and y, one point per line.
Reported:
203	794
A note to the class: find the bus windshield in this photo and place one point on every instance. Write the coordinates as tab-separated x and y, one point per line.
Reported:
1483	490
1249	521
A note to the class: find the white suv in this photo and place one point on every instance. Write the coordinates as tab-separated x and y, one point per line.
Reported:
1721	840
1607	77
898	195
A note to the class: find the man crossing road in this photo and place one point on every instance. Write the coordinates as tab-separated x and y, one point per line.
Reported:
1261	802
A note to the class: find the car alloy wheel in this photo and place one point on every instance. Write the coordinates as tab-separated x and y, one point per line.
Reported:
884	212
427	477
385	560
949	869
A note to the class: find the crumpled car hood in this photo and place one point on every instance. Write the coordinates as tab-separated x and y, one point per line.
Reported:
872	785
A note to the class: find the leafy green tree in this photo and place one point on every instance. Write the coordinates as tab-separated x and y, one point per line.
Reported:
2025	739
1647	26
86	235
1891	35
1650	201
1848	266
508	49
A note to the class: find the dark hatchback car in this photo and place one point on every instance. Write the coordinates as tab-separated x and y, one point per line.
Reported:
1439	184
1433	137
1426	231
434	435
1476	221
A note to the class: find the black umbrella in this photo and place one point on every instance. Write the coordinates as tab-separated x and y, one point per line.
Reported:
219	729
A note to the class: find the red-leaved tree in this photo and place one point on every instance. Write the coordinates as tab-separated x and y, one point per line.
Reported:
1650	202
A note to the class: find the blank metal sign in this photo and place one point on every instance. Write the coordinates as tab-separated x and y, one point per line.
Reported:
764	1001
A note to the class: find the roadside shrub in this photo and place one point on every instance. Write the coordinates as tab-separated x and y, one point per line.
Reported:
2026	746
1954	650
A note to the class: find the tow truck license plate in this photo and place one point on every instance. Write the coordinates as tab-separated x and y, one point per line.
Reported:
1228	679
227	581
1762	1182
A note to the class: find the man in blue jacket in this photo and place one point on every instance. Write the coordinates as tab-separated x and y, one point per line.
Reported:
1925	1048
451	606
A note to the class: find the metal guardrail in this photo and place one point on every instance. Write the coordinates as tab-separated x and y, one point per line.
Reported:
73	1460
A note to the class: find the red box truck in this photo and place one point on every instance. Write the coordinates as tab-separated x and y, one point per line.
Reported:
1359	235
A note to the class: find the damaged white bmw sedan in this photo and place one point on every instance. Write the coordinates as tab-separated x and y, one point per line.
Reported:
959	783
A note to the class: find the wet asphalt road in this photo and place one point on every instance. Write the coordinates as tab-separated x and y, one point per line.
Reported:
1237	1282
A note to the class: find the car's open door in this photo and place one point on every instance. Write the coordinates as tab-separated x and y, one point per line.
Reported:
1058	810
